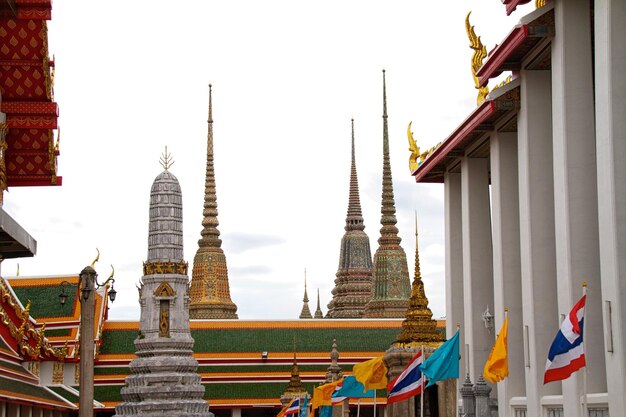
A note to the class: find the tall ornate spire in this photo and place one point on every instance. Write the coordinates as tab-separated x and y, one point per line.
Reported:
306	312
418	327
163	375
391	286
318	311
210	291
354	275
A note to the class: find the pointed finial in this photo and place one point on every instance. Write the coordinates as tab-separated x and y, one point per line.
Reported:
384	96
97	258
210	120
17	274
166	160
354	217
480	53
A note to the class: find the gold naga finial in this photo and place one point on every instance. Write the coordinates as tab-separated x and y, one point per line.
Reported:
413	148
112	273
480	53
540	3
166	160
97	258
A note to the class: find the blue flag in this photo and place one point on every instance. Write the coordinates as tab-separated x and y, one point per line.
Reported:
305	407
326	411
443	363
351	388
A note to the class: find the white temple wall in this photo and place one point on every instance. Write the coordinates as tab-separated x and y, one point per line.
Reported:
537	244
507	285
477	260
610	105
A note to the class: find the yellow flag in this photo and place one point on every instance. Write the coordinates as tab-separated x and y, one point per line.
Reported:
323	394
372	374
497	365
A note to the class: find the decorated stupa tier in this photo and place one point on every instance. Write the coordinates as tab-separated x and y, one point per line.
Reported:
353	281
163	381
391	286
210	290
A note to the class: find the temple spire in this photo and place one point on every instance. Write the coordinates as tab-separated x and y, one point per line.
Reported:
333	372
210	290
318	311
418	327
391	284
353	281
306	312
210	234
354	218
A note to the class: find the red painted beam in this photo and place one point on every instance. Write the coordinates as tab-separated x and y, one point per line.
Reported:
34	182
511	5
475	119
491	67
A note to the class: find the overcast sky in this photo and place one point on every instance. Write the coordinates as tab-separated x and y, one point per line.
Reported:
132	77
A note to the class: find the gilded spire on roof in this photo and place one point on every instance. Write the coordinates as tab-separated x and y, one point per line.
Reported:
210	291
318	311
391	285
354	276
480	53
418	327
295	383
306	312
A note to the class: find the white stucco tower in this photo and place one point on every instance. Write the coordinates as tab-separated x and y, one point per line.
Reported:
163	380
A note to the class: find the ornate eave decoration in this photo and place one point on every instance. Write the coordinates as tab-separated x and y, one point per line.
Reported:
480	53
150	268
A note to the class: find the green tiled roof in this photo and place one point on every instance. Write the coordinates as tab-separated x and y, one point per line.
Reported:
104	393
269	340
45	300
65	393
58	333
23	388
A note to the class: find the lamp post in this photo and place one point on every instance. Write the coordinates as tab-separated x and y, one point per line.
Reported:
87	284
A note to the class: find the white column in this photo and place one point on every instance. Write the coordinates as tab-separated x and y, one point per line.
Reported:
507	284
610	58
575	196
454	262
236	412
477	260
537	251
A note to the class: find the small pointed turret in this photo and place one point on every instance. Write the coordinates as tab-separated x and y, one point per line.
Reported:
333	373
391	284
318	311
354	275
295	388
210	290
306	312
418	327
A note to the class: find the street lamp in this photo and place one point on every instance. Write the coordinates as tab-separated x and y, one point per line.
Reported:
87	284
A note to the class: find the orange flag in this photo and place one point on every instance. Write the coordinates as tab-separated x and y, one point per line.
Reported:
497	365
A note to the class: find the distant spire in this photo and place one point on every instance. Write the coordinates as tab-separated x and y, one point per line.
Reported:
391	286
318	312
354	218
295	383
353	281
306	312
210	290
388	231
418	327
210	234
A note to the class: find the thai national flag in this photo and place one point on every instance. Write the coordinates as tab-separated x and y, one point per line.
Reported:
409	383
294	407
336	400
567	353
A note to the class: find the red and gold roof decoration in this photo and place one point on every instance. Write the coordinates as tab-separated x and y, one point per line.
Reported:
27	94
65	319
23	334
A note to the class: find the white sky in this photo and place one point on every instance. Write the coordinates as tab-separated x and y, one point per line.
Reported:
131	78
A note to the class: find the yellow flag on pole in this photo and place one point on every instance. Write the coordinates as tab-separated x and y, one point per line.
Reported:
497	365
372	374
323	394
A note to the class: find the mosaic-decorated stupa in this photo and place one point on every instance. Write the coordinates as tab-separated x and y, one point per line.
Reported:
391	286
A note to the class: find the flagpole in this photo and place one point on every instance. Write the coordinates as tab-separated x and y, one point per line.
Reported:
585	412
358	408
504	382
422	384
374	403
